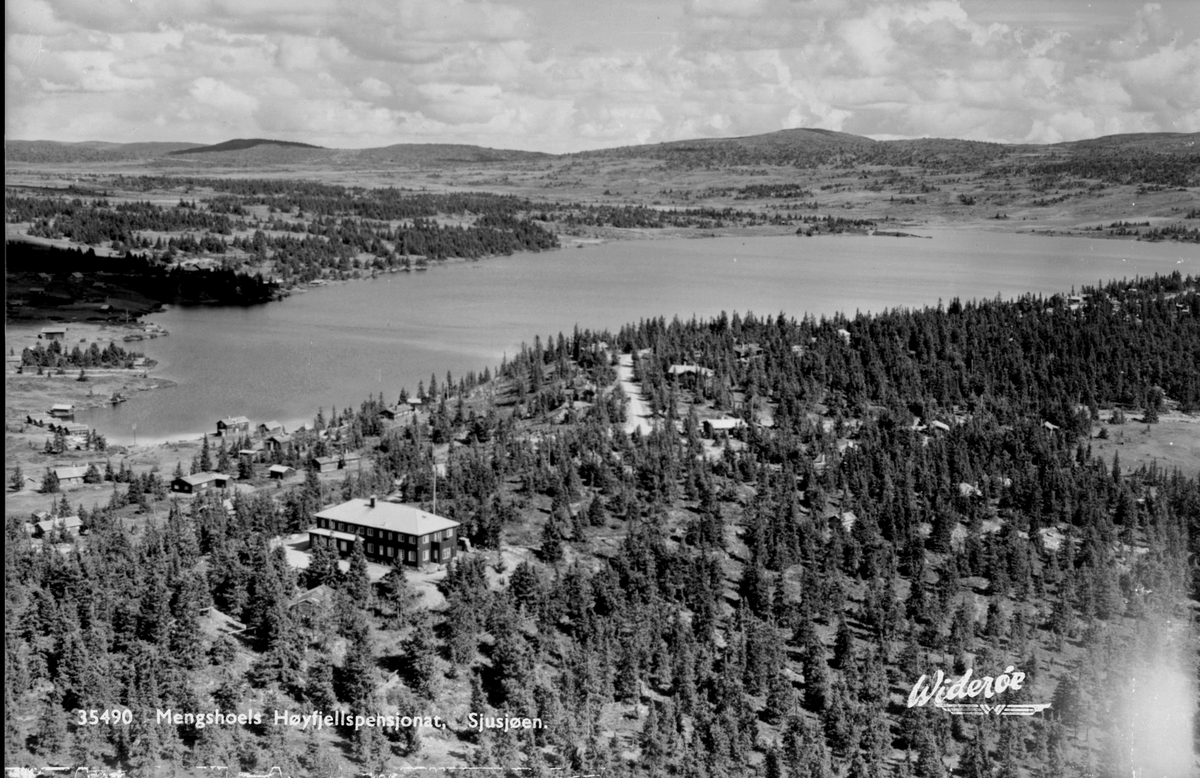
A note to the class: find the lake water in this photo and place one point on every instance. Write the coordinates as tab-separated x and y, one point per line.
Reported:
336	345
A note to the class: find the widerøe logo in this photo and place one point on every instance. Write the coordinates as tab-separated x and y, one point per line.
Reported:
943	695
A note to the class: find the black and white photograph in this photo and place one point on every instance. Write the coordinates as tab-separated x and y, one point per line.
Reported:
561	389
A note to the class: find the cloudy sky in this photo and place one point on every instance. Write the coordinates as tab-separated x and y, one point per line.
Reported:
567	75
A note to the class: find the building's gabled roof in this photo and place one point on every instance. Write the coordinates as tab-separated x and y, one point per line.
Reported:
272	425
281	439
62	407
391	516
317	596
232	421
725	424
63	473
199	479
678	370
65	522
281	469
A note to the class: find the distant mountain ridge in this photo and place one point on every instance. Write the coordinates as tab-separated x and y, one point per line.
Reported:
797	146
241	144
51	152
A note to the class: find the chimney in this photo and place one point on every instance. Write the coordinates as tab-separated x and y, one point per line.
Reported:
372	501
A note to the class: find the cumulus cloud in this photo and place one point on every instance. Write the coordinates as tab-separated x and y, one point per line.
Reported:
519	73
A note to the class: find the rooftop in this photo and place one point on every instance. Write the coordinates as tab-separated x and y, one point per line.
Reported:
202	478
65	522
391	516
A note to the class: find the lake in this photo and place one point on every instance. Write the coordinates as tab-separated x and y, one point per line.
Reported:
335	345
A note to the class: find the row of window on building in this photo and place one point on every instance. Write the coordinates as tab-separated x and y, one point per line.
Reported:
400	537
343	546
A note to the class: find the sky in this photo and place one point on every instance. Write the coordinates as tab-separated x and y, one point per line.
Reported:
570	75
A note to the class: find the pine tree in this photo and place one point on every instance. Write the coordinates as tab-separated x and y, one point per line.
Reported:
551	549
395	594
322	567
205	463
781	698
843	647
358	668
422	652
358	581
318	689
52	726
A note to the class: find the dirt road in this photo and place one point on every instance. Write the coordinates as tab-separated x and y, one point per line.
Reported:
637	415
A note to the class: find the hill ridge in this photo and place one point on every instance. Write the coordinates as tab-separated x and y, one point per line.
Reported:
241	144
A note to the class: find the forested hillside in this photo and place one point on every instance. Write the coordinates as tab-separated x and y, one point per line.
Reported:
906	492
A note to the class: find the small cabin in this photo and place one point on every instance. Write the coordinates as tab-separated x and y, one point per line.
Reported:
69	524
63	411
70	476
53	333
713	426
311	605
323	464
199	482
233	425
268	428
677	371
280	472
277	443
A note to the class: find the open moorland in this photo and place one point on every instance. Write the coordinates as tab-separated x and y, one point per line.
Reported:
246	220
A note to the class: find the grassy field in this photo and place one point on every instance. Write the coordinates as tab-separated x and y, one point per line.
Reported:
1172	442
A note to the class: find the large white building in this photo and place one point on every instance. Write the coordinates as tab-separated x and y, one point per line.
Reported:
388	530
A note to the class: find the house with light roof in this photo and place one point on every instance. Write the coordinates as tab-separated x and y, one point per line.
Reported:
388	531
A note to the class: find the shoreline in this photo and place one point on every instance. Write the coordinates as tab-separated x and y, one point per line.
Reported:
31	394
586	238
